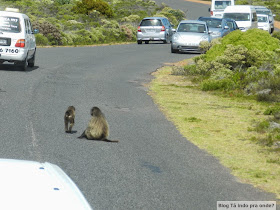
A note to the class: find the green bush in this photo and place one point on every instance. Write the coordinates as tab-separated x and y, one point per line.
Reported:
87	6
41	40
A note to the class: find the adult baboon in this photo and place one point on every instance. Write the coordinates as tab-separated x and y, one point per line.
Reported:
69	118
98	128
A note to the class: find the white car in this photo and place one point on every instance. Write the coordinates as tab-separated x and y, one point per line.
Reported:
17	40
188	36
263	23
32	185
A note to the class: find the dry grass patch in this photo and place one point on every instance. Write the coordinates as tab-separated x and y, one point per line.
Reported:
220	126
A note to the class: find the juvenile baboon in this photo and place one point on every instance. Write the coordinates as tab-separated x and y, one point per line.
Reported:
98	128
69	118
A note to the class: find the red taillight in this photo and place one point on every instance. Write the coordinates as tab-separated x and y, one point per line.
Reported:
162	28
139	29
20	43
211	13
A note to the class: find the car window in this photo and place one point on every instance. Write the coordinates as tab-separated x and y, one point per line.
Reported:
262	19
238	16
27	26
230	25
151	22
191	27
212	23
10	24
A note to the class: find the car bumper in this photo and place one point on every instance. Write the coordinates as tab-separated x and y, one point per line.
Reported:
186	48
12	54
151	37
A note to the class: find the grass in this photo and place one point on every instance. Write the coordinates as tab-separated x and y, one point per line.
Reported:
221	126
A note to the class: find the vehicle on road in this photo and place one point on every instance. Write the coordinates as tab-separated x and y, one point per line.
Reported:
218	26
244	15
188	36
231	24
154	29
263	23
265	11
17	40
218	7
32	185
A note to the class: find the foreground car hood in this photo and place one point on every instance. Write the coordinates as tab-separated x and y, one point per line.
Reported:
32	185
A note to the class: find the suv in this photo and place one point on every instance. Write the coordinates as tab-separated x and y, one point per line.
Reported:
154	29
265	11
17	40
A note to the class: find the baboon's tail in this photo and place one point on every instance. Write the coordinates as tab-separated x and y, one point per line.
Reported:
83	135
107	140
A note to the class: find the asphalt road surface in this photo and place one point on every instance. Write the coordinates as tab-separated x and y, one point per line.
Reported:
152	167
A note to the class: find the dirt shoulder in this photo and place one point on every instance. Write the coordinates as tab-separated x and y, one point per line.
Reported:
276	23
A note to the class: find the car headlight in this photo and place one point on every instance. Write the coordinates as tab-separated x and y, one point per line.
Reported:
176	37
204	38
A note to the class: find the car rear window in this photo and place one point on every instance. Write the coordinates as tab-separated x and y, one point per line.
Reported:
151	22
9	24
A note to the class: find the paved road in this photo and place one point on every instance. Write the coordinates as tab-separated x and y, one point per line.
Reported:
153	166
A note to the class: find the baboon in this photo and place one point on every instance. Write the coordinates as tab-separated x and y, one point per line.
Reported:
98	128
69	118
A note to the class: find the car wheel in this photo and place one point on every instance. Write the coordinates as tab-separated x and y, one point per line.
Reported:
139	42
31	61
173	50
23	64
146	42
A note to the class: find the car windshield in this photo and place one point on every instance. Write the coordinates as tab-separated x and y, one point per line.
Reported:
265	12
222	4
212	23
151	22
262	19
191	27
9	24
238	16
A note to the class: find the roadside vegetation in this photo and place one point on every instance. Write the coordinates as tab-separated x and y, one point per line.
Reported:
227	102
89	22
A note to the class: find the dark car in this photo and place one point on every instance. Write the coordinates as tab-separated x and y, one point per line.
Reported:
231	24
218	26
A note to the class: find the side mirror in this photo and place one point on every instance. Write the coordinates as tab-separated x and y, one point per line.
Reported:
35	31
210	32
173	30
209	10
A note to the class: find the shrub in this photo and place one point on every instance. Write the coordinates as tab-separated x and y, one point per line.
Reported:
87	6
50	31
41	40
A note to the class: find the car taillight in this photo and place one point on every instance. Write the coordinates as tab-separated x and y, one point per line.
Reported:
162	28
20	43
211	13
139	29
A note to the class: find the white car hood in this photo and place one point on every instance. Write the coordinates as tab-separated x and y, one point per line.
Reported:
192	37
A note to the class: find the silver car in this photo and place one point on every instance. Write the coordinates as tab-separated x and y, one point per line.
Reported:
188	36
154	29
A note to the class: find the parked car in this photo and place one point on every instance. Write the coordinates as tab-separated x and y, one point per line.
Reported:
218	6
231	24
263	23
244	15
265	11
188	36
218	26
17	40
33	185
154	29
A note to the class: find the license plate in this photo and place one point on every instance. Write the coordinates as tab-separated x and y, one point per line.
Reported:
8	51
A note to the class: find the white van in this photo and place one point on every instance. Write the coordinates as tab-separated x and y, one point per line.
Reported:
245	16
218	7
17	40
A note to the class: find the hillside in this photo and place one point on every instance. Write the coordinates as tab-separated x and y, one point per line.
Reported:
87	22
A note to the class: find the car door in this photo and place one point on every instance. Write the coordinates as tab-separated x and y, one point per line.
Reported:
30	39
